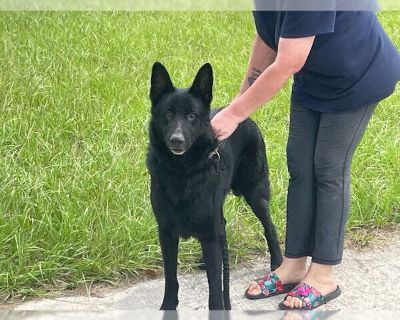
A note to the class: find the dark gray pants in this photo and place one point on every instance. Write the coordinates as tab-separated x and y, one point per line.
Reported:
319	153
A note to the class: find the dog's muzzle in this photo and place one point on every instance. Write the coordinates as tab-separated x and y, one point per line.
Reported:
177	144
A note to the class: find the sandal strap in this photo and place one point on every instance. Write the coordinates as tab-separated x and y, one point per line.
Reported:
270	284
311	297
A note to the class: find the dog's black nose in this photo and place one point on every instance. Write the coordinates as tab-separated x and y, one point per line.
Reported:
177	140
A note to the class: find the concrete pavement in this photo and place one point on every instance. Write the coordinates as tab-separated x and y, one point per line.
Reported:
369	279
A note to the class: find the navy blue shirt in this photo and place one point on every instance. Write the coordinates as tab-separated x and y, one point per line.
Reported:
352	62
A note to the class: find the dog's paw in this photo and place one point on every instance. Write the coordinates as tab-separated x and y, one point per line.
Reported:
169	304
167	307
227	306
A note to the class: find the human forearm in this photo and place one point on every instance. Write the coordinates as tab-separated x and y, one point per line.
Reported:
292	54
261	91
261	57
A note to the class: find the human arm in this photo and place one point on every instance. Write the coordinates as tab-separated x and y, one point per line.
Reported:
262	56
291	57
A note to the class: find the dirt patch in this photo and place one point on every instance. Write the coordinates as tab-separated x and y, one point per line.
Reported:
369	237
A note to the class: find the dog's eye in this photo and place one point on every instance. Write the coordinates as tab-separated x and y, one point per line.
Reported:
191	116
169	115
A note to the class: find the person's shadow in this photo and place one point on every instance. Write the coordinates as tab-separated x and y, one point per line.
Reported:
294	314
307	315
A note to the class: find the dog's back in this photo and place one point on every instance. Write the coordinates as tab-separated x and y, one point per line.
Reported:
248	150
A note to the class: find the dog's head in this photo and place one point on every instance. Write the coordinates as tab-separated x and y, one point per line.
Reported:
180	116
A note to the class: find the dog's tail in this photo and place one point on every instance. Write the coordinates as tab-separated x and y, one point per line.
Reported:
225	273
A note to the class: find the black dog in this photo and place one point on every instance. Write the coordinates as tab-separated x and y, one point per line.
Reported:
191	174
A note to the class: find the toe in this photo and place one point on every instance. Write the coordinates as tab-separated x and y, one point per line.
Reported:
298	303
288	302
295	303
254	289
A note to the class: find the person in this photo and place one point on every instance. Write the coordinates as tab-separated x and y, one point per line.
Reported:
343	64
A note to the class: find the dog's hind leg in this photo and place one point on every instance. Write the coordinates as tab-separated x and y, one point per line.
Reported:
169	248
225	270
257	198
212	252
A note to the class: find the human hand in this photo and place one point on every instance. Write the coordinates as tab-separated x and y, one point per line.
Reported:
224	124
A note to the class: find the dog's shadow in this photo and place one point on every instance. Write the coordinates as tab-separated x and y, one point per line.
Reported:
212	315
288	315
170	315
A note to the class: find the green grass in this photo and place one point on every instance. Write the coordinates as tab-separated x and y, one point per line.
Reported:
74	192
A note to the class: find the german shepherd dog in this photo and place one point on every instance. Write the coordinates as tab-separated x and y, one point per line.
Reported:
191	174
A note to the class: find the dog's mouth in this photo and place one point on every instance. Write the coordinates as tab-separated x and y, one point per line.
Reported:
177	152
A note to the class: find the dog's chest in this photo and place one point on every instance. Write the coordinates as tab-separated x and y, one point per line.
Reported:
191	221
182	191
193	203
177	191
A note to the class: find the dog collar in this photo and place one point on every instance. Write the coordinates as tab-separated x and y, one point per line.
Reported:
215	156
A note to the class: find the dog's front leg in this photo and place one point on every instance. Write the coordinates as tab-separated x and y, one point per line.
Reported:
169	248
212	252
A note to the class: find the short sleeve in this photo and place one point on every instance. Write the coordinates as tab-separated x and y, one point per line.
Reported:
265	31
298	24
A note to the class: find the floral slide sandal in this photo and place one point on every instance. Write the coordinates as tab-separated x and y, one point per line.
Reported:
270	286
310	296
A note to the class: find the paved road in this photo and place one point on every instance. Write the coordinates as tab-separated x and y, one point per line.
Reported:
370	280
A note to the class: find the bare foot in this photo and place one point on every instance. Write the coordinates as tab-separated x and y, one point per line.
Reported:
320	277
290	271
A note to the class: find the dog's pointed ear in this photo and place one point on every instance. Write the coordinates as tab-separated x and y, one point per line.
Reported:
203	83
160	83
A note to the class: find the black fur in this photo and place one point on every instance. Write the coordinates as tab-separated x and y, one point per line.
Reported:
188	188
